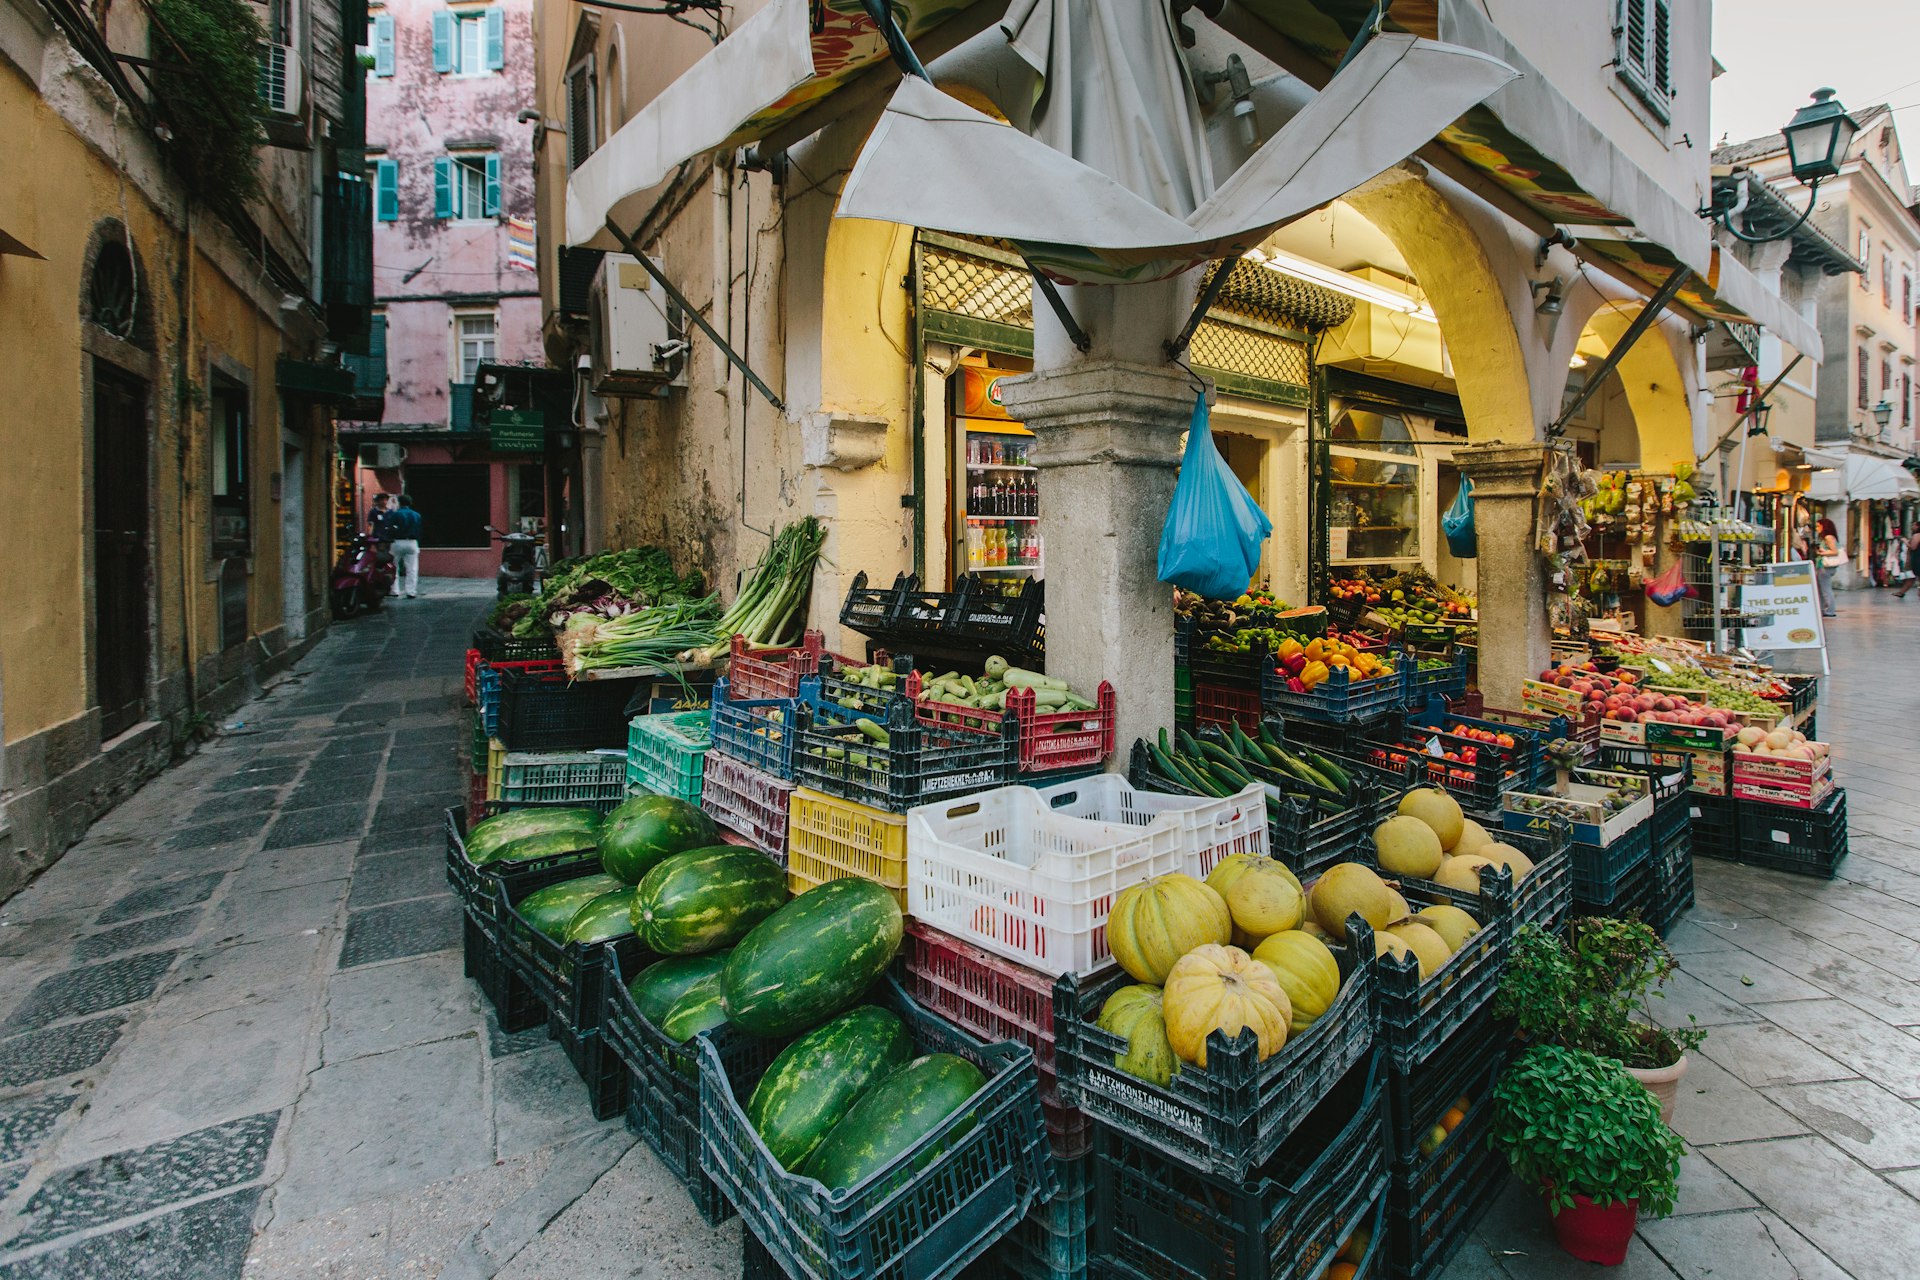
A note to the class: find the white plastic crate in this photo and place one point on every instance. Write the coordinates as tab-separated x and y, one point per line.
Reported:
1004	872
1211	828
550	777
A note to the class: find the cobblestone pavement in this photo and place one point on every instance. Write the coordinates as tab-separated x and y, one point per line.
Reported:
1799	1112
235	1037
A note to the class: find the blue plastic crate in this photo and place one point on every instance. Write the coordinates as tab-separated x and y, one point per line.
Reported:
920	764
757	732
943	1203
1449	681
1601	872
1339	699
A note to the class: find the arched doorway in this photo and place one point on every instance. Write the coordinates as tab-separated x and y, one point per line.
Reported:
113	311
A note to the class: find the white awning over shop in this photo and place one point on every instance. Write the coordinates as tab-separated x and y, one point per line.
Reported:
1863	478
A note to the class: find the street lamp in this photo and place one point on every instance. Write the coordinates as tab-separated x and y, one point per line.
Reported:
1882	414
1817	140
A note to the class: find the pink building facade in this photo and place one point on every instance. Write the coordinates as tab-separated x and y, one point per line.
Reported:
451	165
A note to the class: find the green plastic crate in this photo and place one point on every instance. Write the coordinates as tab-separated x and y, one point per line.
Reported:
667	754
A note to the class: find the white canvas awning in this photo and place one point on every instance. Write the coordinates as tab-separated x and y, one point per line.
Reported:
923	163
776	66
1863	478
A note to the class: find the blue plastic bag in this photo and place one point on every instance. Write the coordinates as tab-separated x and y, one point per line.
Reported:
1211	543
1457	524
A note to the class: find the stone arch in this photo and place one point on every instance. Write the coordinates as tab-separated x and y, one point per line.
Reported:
1654	384
1464	290
113	292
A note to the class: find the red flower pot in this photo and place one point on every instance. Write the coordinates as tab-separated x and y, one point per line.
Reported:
1595	1234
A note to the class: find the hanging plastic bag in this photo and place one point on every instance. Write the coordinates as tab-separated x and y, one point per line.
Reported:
1457	524
1670	587
1211	542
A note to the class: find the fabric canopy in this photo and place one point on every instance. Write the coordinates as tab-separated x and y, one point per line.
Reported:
1729	292
1865	478
783	60
935	162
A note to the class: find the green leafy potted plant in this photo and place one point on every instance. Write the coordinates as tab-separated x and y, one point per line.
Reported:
1580	1128
1594	991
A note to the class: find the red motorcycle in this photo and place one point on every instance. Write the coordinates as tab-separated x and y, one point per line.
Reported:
362	577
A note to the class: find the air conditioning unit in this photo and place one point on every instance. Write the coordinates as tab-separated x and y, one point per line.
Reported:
382	457
637	350
280	79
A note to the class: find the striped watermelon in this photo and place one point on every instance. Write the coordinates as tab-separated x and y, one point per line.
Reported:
665	981
552	909
607	917
491	839
646	830
698	1009
817	1077
812	958
892	1116
706	898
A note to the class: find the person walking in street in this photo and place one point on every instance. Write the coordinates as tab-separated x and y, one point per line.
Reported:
1913	562
404	526
1828	557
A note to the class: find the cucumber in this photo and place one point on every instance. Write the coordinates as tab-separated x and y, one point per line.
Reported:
1331	771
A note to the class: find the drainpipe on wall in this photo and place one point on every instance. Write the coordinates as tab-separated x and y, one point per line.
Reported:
183	418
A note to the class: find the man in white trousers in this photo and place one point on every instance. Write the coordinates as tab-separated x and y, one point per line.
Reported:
404	526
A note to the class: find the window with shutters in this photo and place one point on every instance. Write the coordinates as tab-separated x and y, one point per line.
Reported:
1886	375
475	334
1643	52
380	40
466	187
1906	400
582	90
1886	279
386	190
1865	255
471	42
1906	298
1864	380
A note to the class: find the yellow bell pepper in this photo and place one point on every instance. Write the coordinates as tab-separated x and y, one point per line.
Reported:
1314	673
1338	660
1316	650
1289	647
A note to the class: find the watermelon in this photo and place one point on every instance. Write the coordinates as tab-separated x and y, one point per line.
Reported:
546	844
812	958
488	838
706	898
665	981
552	909
698	1009
607	917
817	1077
892	1116
647	829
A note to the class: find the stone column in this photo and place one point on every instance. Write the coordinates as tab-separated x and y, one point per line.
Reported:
1107	435
1514	628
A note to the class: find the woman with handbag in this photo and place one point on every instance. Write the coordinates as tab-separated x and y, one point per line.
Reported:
1829	557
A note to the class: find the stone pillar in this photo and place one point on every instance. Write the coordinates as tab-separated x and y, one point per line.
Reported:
1107	434
1514	628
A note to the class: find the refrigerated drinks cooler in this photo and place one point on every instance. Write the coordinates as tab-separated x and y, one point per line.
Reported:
997	490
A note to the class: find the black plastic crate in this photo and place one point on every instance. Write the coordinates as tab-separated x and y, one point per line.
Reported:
1544	897
1285	1220
498	646
1633	896
515	1006
922	762
1245	669
1807	842
1339	699
943	1204
1713	823
1465	1066
1230	1117
971	622
1416	1018
1672	882
1599	871
1425	1230
1053	1240
663	1090
553	713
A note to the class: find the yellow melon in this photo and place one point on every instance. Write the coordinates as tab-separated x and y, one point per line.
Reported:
1156	922
1462	872
1134	1014
1509	857
1452	924
1399	910
1347	889
1264	900
1215	988
1307	972
1407	846
1429	948
1438	810
1474	838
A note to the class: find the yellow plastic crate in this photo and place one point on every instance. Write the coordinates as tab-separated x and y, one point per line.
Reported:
496	766
831	839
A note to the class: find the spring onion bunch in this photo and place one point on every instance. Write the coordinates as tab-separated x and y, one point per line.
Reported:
768	611
652	637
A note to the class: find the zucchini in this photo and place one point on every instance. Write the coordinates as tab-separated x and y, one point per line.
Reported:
1018	679
1333	772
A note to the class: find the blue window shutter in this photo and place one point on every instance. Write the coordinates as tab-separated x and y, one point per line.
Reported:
383	45
443	187
493	186
377	337
386	191
496	38
443	41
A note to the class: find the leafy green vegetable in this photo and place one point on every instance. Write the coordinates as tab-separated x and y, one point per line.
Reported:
1574	1123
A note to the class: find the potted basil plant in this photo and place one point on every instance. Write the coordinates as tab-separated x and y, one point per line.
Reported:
1577	1126
1594	991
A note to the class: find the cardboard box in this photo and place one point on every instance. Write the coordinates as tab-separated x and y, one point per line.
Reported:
1811	798
1689	737
1711	774
1631	732
1584	806
1771	770
1551	698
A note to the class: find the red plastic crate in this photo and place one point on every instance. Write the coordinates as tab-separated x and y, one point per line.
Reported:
995	999
1220	706
753	673
473	676
1055	740
748	802
476	796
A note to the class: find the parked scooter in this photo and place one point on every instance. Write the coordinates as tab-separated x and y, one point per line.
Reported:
362	577
523	562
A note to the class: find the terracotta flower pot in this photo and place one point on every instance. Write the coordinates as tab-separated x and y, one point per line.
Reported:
1663	1083
1594	1234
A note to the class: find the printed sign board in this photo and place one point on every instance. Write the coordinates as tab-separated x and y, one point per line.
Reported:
1787	595
517	431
